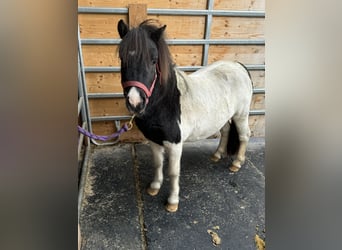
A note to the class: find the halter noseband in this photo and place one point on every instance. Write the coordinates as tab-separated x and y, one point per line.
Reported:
140	85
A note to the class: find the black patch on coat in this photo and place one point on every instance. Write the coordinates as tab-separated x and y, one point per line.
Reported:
159	121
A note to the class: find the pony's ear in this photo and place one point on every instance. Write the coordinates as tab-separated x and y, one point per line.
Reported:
122	28
158	33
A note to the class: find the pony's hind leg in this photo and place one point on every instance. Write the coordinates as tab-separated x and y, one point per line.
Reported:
158	158
240	158
244	134
221	150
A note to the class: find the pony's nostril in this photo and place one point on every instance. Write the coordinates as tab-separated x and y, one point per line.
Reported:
139	109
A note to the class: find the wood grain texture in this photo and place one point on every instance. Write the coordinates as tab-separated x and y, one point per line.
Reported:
169	4
182	27
246	54
100	25
107	107
258	78
108	128
258	102
257	125
103	82
100	55
137	13
237	27
190	55
239	5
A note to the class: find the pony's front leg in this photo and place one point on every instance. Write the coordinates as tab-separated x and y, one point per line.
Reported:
175	153
158	158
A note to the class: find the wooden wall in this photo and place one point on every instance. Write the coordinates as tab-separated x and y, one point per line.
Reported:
178	27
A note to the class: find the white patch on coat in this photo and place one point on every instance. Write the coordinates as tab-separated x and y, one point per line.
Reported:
134	97
131	52
174	151
211	96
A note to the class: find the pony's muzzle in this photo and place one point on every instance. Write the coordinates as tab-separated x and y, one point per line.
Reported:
134	101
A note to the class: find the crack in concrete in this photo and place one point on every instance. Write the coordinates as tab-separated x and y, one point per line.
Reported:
139	198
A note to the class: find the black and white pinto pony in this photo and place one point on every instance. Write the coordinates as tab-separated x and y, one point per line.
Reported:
171	107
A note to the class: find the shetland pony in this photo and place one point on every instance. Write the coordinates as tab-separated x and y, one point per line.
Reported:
171	107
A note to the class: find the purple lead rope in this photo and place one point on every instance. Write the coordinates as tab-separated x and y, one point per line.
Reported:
123	129
127	126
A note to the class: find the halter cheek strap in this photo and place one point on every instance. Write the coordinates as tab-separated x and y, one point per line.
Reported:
148	92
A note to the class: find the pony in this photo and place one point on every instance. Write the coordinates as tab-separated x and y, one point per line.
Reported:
171	107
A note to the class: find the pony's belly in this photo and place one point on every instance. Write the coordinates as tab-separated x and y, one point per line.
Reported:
193	138
202	130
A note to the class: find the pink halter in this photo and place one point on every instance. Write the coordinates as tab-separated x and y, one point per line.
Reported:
148	92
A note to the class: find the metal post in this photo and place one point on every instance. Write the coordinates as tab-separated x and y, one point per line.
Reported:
207	32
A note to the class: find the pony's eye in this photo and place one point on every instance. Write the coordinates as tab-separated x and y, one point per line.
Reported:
154	61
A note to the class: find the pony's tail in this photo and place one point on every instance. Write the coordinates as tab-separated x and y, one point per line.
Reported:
233	140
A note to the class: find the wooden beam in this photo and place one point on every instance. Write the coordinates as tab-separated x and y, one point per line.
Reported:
137	13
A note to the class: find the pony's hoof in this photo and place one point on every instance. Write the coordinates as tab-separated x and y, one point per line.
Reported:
152	191
214	158
234	168
171	207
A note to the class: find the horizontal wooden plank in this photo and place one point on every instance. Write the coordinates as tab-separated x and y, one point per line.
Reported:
108	128
100	55
176	4
100	25
258	102
103	82
104	3
108	107
257	125
239	5
237	28
187	55
170	4
258	78
105	25
107	55
246	54
182	27
179	4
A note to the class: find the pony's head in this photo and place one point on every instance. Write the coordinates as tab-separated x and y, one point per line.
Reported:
144	57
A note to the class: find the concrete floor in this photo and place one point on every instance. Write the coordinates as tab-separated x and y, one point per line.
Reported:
118	214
